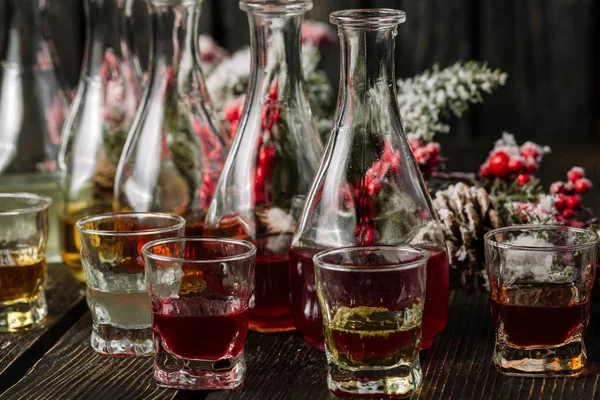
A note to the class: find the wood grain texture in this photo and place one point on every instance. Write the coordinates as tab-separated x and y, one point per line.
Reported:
458	366
66	304
72	370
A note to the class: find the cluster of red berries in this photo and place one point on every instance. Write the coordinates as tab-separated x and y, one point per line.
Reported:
233	113
568	194
513	162
267	153
427	155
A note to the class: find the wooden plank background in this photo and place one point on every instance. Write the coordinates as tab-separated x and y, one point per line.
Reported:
550	50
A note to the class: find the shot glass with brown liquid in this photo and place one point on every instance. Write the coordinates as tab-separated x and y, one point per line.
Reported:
541	279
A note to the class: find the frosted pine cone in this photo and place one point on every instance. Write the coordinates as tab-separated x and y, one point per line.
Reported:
466	214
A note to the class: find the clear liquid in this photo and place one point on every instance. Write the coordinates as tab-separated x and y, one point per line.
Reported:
130	310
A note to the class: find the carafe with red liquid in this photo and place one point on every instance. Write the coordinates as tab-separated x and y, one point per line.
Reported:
273	158
368	189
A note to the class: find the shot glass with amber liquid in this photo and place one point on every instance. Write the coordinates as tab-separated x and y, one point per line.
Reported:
23	239
541	278
372	300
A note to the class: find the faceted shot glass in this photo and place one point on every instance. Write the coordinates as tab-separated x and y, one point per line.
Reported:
541	279
200	291
111	256
372	301
23	238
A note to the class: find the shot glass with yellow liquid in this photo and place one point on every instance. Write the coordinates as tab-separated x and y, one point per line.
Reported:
23	239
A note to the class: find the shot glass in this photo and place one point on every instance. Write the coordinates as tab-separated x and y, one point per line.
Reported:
200	292
113	265
372	301
23	239
541	279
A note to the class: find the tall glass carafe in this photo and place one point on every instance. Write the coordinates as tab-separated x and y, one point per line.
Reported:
176	148
33	103
273	158
96	129
368	189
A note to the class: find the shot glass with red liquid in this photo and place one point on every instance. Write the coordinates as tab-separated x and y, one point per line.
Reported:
200	291
541	279
372	300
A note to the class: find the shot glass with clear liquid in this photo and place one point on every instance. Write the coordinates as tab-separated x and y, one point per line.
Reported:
372	300
540	278
23	239
200	291
113	265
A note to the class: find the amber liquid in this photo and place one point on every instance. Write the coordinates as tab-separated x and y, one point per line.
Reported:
22	282
544	317
307	314
270	303
69	237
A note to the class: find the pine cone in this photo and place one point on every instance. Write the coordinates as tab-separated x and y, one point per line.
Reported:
466	214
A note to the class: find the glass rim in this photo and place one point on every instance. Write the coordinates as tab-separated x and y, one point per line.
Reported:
43	203
593	238
107	216
250	249
276	7
367	18
367	268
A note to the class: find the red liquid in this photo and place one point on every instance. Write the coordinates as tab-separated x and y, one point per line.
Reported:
540	326
305	305
194	229
185	329
381	349
270	303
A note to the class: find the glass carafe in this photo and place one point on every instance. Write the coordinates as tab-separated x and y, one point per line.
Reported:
273	158
176	147
96	129
368	189
33	103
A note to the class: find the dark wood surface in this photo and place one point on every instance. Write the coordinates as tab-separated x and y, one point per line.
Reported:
72	370
66	304
281	366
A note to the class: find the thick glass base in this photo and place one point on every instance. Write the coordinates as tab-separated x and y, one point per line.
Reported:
110	340
173	372
394	383
23	314
272	325
565	360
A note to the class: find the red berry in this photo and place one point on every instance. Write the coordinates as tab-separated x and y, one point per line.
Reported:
575	174
260	175
560	202
568	213
374	188
531	165
422	155
523	179
485	171
433	148
515	165
573	201
583	185
530	152
499	164
557	187
370	235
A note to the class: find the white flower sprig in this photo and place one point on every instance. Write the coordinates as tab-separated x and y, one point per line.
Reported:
427	98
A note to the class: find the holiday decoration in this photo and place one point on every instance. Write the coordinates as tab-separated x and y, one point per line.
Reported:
505	190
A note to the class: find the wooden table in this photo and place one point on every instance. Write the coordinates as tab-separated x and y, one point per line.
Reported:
57	362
